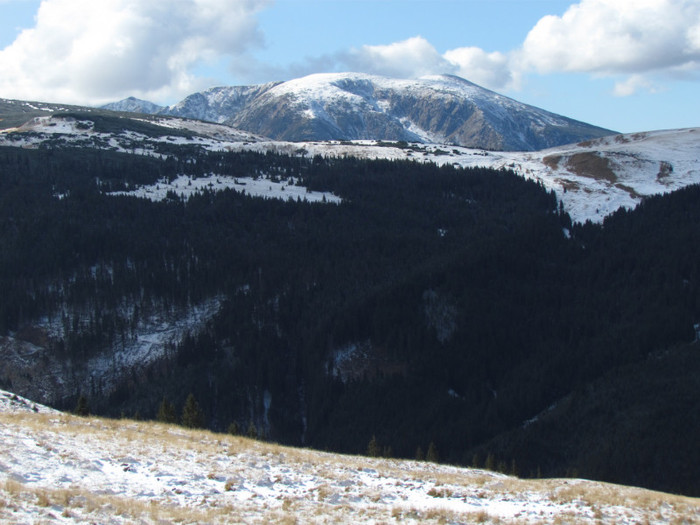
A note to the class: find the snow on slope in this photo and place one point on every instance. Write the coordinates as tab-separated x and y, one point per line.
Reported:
264	187
66	469
13	404
69	131
595	178
351	106
592	179
133	105
31	365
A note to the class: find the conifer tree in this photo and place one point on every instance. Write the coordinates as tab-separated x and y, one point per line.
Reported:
373	449
252	432
233	429
166	412
432	454
82	408
490	462
192	416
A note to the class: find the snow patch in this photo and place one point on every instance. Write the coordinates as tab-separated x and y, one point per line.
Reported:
266	187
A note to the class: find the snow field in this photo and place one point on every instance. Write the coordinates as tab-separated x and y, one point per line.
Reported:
265	187
66	469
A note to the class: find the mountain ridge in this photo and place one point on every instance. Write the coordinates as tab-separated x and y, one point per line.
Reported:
134	105
356	106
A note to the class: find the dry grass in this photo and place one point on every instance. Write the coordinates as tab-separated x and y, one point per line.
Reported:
551	161
632	192
327	501
79	502
592	166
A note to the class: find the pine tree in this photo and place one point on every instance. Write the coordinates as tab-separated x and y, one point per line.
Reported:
233	429
82	408
432	454
166	412
513	468
252	432
419	454
191	414
490	463
373	449
475	460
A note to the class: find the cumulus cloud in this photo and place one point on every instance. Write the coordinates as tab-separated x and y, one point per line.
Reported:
491	70
638	38
605	36
416	57
633	85
413	57
87	51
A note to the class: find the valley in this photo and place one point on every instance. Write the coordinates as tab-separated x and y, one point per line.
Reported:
324	292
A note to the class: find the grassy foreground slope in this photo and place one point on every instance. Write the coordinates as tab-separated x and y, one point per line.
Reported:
60	468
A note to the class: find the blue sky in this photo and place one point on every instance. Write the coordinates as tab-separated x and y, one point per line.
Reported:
621	64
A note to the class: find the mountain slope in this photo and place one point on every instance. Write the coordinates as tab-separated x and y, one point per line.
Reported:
644	416
217	104
310	313
591	178
89	470
134	105
352	106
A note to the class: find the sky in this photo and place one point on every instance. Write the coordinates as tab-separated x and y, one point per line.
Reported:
626	65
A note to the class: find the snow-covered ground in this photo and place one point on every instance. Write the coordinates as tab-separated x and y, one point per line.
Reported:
265	187
59	468
592	179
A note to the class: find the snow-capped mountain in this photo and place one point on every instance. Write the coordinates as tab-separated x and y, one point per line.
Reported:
218	104
67	469
134	105
352	106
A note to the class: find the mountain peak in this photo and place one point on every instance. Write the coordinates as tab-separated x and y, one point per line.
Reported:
133	105
360	106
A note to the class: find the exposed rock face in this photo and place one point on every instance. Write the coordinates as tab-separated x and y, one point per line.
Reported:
218	104
352	106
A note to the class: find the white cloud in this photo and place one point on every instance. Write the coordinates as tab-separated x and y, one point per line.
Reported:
88	51
633	85
642	40
615	36
416	57
491	70
413	57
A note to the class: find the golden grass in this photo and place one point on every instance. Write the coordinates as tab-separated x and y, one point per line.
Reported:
340	473
75	502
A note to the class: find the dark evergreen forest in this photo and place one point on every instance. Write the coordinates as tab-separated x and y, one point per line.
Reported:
433	305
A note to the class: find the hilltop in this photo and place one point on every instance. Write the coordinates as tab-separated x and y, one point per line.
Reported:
67	469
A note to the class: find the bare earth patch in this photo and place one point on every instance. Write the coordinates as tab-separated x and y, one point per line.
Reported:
551	161
590	165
